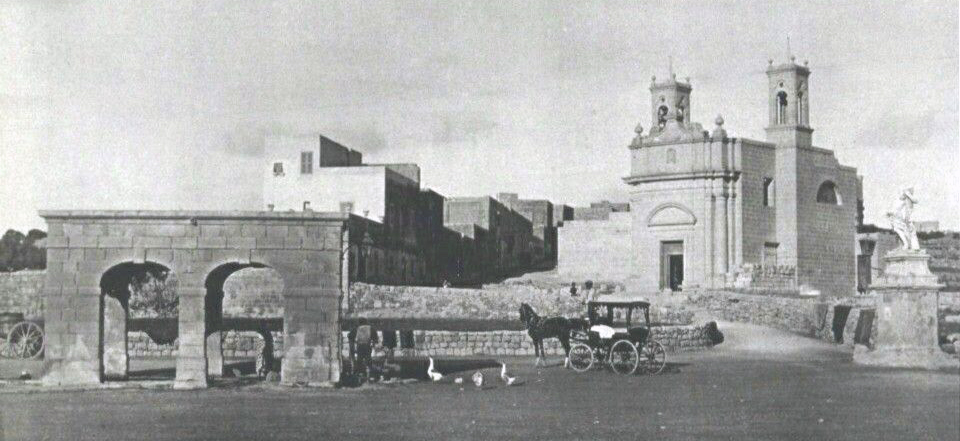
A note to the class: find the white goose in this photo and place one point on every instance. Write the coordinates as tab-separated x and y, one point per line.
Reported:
477	379
434	375
505	376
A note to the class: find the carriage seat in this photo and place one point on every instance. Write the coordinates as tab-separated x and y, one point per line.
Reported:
604	332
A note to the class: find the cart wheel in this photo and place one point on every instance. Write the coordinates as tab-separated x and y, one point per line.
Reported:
624	357
581	357
654	357
25	340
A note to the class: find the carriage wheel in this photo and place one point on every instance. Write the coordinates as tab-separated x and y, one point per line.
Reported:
581	357
654	357
25	340
624	357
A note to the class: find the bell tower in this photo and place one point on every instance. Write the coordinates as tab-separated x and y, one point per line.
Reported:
789	121
669	101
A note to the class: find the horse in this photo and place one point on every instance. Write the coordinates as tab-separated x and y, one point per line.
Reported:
540	328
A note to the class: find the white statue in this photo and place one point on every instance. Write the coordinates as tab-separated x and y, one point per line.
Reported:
900	221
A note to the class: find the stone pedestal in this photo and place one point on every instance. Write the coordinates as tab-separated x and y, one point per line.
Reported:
907	296
215	354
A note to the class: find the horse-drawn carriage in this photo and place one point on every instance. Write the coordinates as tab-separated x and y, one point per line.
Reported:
610	337
20	338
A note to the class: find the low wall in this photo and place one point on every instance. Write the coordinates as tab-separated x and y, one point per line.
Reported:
454	343
22	292
492	303
798	315
236	344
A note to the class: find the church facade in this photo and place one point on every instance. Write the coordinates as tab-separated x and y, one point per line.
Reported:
706	207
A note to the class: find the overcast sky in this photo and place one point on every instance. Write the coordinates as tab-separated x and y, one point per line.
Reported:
163	105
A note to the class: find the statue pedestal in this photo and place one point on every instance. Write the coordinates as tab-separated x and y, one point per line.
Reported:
907	296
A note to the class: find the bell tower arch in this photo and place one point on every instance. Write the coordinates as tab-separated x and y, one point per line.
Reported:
789	114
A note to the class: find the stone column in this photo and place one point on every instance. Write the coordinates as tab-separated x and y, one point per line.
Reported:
115	359
907	295
215	354
722	234
191	352
708	236
731	230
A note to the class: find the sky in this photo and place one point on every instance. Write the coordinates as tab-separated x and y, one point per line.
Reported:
164	105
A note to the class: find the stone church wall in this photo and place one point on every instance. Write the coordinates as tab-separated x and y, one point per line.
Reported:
759	222
826	257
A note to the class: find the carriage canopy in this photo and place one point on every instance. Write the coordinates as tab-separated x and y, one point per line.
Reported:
617	310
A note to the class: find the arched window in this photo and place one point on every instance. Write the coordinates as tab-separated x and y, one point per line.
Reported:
662	116
769	196
781	107
828	194
671	156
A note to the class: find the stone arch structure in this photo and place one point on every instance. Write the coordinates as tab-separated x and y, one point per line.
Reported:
670	214
307	249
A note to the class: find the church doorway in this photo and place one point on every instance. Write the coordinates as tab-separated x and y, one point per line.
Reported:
671	265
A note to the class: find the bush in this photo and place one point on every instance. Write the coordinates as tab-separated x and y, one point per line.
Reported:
154	294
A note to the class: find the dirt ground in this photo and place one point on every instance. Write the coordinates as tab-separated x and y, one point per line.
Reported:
760	384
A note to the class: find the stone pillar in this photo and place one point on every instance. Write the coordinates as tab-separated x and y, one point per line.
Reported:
311	341
907	295
72	330
215	354
708	237
191	352
115	359
722	235
731	230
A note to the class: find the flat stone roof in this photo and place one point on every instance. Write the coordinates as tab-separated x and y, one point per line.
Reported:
193	214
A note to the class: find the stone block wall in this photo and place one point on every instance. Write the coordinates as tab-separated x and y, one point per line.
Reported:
510	343
595	249
236	344
21	292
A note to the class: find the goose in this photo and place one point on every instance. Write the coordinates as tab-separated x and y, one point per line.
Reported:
458	380
477	379
434	375
505	376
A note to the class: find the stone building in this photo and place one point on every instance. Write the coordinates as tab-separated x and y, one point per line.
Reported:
502	235
395	224
401	233
543	243
704	204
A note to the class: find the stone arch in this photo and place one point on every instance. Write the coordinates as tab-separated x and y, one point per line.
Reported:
670	214
781	98
216	322
828	193
160	323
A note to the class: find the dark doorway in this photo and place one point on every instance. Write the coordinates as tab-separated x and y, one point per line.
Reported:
671	258
840	314
676	272
864	327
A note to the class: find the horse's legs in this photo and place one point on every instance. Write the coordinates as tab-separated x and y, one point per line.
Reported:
565	341
538	350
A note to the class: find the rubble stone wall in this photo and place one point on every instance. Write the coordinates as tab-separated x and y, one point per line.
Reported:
21	292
